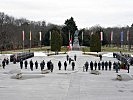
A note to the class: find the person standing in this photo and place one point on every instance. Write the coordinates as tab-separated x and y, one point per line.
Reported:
95	65
100	57
106	65
21	64
110	64
75	57
86	66
91	65
51	67
70	60
36	65
26	63
7	61
128	67
59	65
65	65
99	65
67	57
31	65
73	65
102	65
116	67
3	64
41	65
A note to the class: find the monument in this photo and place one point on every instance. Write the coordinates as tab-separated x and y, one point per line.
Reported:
76	45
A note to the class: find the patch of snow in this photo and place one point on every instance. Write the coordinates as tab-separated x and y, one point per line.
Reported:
39	54
108	55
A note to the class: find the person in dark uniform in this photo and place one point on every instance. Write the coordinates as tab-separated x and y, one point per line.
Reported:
31	65
51	66
128	67
21	64
95	65
70	60
3	64
26	63
110	64
36	65
86	66
99	65
91	65
100	57
106	65
73	65
59	65
102	65
114	65
7	61
41	65
119	65
67	57
75	57
48	65
65	65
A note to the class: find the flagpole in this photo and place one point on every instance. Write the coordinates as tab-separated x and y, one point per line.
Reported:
40	39
82	38
23	40
30	40
128	39
101	33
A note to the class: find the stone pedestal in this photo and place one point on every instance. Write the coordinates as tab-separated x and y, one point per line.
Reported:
76	45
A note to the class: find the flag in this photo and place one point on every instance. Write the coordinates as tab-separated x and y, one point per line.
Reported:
23	35
101	34
30	35
82	35
122	36
50	35
128	35
40	35
70	43
111	36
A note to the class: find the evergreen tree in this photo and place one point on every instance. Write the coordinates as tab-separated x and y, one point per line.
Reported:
56	40
95	43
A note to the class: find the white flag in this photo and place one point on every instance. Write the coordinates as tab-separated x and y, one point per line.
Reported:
101	33
50	35
82	35
128	35
111	36
40	35
23	35
30	35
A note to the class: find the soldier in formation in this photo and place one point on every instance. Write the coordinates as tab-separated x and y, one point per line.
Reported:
31	65
21	64
26	63
65	65
36	65
59	65
73	65
86	66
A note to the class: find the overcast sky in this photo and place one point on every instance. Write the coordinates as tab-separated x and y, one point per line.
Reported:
86	13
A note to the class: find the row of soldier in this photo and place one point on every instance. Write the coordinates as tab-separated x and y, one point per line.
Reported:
102	65
50	65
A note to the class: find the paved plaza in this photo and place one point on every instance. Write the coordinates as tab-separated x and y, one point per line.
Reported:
64	85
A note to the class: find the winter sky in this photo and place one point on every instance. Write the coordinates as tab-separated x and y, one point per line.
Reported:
86	13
